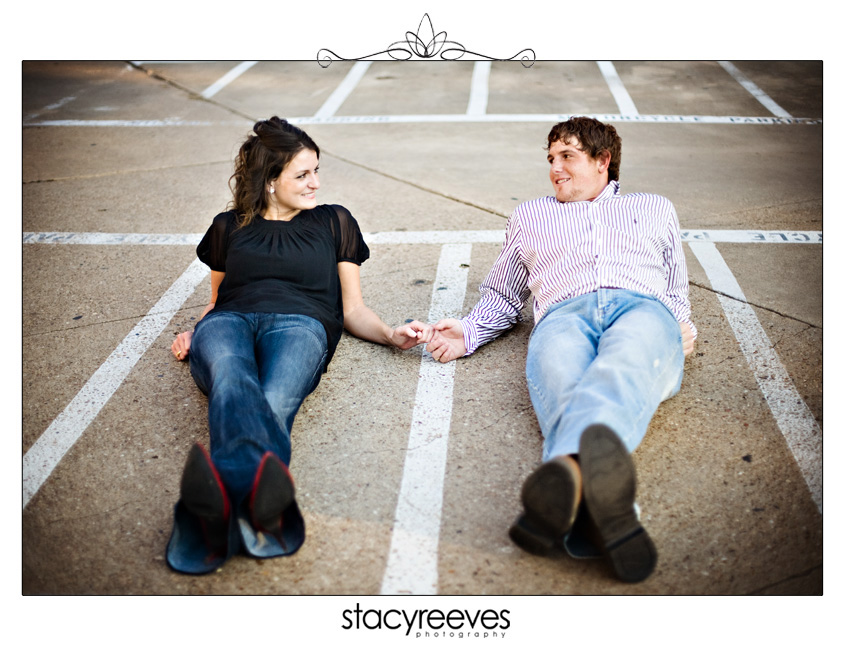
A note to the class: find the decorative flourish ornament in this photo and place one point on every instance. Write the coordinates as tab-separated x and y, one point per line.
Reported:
425	44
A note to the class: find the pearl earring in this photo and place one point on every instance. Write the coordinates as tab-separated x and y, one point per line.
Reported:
272	190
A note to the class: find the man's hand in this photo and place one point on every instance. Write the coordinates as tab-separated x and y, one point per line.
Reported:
688	340
447	343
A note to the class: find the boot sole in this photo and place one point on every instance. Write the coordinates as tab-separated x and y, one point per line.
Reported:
609	489
550	499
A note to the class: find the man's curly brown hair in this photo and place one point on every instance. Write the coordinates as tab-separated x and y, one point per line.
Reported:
594	137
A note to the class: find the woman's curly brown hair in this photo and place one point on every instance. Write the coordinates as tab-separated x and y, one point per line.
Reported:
262	157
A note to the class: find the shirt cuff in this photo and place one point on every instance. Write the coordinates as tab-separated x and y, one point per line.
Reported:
470	336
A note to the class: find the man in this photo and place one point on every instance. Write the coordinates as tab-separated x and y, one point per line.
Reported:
613	322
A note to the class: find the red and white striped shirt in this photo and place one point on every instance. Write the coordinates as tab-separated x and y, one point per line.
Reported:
559	250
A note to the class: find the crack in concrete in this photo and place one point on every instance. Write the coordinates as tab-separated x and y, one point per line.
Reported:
125	172
419	186
759	306
192	94
33	334
195	96
804	574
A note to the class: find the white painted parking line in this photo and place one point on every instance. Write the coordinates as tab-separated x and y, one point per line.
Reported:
413	558
343	91
555	117
795	420
415	237
445	118
619	92
750	236
754	90
434	237
50	107
479	91
126	123
43	456
60	103
228	78
97	238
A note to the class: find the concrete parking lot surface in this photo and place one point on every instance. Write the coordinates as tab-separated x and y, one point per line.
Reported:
126	163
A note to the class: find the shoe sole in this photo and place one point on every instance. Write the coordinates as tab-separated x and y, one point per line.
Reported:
273	494
550	499
203	496
609	489
201	486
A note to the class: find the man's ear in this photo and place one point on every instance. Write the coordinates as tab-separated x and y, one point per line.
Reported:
603	160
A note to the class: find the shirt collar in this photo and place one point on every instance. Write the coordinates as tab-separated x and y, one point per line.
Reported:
610	191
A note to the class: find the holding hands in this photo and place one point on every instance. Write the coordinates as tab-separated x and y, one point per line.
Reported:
445	340
411	334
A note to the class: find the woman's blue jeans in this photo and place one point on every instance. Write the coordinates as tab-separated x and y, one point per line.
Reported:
257	369
608	357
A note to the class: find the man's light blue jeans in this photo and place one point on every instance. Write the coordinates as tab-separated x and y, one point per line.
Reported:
608	357
257	369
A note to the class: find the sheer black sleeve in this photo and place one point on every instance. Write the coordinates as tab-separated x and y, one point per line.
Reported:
348	238
214	244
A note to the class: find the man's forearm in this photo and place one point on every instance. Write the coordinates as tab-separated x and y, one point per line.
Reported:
485	323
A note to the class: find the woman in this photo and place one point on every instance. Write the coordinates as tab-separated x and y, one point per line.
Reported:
285	281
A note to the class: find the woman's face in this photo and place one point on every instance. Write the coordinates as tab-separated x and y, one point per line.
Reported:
295	188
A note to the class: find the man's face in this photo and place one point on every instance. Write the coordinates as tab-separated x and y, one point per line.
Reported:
576	176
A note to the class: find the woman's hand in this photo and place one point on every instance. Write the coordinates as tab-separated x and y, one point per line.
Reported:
411	334
181	345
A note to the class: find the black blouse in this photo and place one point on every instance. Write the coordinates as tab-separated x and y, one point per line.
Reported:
276	266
